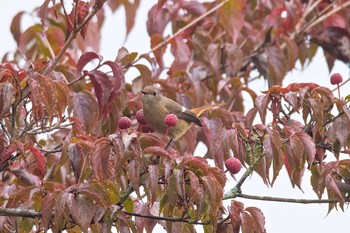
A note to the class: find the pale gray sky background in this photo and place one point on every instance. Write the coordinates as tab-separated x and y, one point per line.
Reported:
280	217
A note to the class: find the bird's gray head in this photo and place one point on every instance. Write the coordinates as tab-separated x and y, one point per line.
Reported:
151	94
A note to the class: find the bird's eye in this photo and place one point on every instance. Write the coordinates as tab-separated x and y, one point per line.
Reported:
154	93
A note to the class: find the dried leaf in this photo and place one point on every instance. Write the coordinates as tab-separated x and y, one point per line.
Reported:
7	96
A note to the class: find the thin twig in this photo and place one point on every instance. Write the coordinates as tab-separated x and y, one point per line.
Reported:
236	191
189	221
289	200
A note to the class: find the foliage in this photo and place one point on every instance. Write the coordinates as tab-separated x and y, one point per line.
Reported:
64	158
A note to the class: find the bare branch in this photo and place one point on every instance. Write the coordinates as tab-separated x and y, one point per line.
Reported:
168	219
289	200
20	213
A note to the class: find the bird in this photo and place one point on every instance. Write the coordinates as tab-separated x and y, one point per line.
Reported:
156	107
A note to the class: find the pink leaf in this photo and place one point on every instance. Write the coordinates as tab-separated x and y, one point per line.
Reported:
86	58
40	159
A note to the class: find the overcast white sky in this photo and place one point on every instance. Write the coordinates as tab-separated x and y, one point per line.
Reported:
280	217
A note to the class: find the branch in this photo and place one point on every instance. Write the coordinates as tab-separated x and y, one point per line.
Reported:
168	219
127	193
289	200
73	34
34	214
20	213
236	191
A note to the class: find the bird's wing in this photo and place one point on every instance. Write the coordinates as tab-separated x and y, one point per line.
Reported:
189	116
182	112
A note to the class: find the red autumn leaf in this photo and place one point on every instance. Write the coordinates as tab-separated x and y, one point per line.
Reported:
195	162
333	188
156	40
133	171
309	145
158	18
258	218
194	187
94	192
85	58
247	223
83	211
261	103
152	183
146	74
76	158
15	27
85	108
156	150
236	208
48	204
7	152
273	147
82	9
39	158
99	155
130	14
141	223
214	191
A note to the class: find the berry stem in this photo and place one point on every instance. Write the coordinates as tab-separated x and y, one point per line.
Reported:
338	87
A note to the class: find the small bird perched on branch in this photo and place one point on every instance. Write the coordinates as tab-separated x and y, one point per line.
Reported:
156	107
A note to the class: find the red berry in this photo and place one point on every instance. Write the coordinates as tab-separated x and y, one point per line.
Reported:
146	129
124	122
233	165
336	78
140	117
171	120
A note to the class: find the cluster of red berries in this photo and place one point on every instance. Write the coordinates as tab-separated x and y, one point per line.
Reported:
125	122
